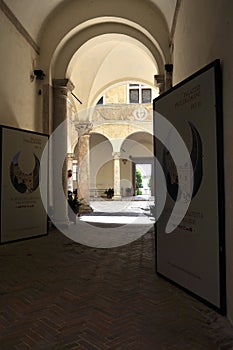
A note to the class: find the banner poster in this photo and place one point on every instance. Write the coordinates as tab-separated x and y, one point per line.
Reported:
22	211
193	254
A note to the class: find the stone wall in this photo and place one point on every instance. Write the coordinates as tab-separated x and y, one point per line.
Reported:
204	32
19	90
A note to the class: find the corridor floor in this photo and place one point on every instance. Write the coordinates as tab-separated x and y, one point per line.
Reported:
57	294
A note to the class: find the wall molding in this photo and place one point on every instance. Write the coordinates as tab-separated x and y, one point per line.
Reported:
14	20
173	27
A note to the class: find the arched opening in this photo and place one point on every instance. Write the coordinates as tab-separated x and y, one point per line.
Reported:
52	38
101	165
115	58
138	148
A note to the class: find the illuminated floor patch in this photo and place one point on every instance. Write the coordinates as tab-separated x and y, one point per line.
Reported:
121	219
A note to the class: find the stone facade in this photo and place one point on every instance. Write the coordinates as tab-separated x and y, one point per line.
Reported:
116	121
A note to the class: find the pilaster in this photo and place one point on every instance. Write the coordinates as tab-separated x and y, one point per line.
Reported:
61	87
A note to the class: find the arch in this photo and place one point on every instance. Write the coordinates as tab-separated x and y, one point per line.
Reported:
104	138
63	23
101	164
66	50
131	145
115	83
138	149
116	58
117	135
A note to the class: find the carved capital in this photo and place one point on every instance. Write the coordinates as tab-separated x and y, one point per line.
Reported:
159	79
116	155
70	156
83	128
63	83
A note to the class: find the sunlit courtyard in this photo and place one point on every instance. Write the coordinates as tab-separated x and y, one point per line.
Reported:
121	212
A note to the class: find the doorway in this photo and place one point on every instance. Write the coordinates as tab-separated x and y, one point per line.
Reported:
143	177
143	181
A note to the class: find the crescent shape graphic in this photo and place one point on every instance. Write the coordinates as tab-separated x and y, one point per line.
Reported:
170	170
24	182
197	159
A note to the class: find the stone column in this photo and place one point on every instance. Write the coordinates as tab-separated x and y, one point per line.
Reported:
70	157
60	91
83	157
117	176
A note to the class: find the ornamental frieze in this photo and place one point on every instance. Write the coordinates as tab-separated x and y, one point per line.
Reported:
123	112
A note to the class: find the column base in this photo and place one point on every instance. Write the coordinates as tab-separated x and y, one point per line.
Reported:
117	198
85	208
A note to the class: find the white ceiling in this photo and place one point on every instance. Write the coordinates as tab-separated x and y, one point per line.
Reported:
33	13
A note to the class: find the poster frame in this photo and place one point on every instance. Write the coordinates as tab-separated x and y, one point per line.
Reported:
25	131
218	120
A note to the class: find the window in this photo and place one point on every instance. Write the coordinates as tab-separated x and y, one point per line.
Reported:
134	96
139	93
146	95
101	101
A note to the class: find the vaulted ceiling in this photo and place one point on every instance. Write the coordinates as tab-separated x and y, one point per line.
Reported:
99	43
33	13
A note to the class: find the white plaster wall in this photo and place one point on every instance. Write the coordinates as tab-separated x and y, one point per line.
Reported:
101	164
105	176
19	99
126	176
204	32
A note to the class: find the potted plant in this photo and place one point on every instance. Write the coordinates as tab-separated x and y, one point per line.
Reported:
75	204
109	192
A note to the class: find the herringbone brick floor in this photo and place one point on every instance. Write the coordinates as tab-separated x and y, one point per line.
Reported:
57	295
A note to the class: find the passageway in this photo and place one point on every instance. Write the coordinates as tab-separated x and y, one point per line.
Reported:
101	64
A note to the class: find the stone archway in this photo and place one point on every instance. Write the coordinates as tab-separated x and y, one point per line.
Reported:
61	60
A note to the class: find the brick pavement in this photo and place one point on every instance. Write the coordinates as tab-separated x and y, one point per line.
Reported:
57	295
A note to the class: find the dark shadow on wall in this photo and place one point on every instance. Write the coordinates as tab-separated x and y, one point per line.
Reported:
7	114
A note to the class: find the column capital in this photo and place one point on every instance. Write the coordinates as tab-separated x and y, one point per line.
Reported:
168	67
70	156
83	128
159	79
63	83
160	82
116	155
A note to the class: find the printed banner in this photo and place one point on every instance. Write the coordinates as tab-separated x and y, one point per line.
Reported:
192	255
22	212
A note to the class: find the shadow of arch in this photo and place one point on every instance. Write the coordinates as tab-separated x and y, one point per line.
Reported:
9	116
